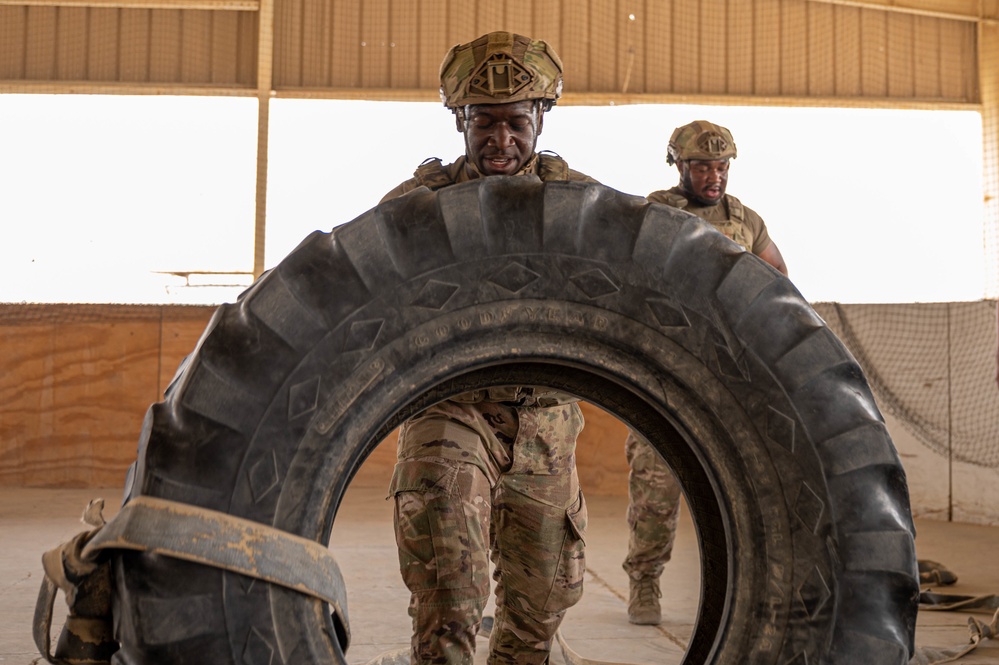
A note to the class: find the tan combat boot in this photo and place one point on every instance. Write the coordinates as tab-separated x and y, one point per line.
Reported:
643	603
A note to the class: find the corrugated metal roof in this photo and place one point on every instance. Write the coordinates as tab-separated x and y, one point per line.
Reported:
345	48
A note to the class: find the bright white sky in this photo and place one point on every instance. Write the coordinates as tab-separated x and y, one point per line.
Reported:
98	194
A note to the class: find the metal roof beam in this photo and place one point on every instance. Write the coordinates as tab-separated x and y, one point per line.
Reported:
212	5
958	10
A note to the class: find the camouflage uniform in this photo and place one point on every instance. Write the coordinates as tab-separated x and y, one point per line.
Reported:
653	509
737	221
434	175
491	471
477	476
654	493
491	474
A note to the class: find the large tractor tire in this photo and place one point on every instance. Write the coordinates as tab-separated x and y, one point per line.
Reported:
796	490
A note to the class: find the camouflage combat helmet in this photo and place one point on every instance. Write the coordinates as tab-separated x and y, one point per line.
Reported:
498	68
700	140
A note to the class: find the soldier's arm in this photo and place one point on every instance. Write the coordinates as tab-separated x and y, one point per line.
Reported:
400	189
761	237
772	255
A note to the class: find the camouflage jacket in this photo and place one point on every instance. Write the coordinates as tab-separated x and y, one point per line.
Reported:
433	174
737	221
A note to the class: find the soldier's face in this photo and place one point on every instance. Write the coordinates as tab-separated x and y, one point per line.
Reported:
500	138
704	180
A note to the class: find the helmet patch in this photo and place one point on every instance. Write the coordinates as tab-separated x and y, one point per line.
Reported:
711	143
700	140
500	68
498	76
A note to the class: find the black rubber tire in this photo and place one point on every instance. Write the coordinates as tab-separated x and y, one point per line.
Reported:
796	490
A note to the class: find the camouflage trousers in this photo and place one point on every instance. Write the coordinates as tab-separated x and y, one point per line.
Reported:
653	509
481	481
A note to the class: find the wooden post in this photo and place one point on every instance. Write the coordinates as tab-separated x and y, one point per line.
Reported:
265	70
988	73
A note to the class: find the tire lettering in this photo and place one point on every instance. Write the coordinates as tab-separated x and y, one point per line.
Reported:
336	407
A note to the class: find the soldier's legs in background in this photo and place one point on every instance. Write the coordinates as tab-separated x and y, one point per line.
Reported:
539	519
653	510
653	513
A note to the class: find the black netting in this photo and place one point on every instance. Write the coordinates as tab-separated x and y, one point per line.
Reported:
931	365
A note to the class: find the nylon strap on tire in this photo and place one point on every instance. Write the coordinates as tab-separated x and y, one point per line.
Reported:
207	537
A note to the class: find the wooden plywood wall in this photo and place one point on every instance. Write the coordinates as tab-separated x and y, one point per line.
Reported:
76	381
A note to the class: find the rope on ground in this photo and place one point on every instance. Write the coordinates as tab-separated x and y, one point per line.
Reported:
931	601
573	658
978	630
394	657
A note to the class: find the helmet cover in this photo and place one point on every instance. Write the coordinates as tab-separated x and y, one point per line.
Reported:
499	68
700	140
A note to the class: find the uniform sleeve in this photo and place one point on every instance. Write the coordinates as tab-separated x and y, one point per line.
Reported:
576	176
761	237
400	189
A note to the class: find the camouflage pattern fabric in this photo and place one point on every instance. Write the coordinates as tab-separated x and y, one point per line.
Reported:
700	140
474	479
653	509
435	175
490	472
498	68
738	222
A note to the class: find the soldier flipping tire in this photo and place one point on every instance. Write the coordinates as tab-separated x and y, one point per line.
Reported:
793	483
